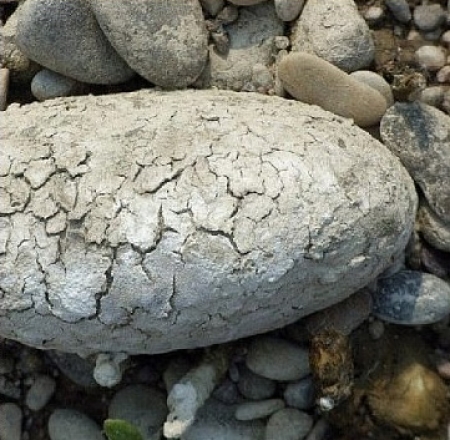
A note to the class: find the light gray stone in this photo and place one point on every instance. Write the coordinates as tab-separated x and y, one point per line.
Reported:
142	406
433	95
375	81
47	84
213	7
65	37
67	423
334	31
435	231
288	424
277	359
288	10
431	58
412	298
420	136
40	392
300	394
258	410
10	422
165	41
192	218
428	17
251	42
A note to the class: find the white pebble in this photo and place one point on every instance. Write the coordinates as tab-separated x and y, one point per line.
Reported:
108	370
431	57
443	75
300	394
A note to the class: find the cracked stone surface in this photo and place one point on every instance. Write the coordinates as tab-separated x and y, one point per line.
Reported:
154	221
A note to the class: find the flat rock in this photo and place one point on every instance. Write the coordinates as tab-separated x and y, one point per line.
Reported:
66	38
153	221
165	41
420	136
334	31
313	80
412	298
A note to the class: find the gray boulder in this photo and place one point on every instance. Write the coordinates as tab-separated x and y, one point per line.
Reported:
165	41
65	37
153	221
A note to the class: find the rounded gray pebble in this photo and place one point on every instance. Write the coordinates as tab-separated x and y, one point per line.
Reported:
255	387
66	424
288	10
47	84
399	9
429	17
431	57
412	298
432	95
143	406
258	410
300	394
288	424
10	422
277	359
375	81
40	392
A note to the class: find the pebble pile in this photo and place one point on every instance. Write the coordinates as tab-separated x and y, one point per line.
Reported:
383	64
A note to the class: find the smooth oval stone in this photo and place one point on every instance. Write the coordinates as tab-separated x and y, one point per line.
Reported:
66	38
187	218
165	41
313	80
258	410
412	298
47	84
375	81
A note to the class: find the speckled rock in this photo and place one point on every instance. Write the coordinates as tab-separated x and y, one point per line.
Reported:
420	136
258	410
313	80
277	359
375	81
187	218
335	32
47	84
288	424
67	423
165	41
431	58
412	298
251	46
433	229
65	37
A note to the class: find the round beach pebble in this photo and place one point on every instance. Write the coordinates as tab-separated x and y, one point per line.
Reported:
336	32
431	57
313	80
375	81
277	359
65	37
288	424
258	410
399	9
40	392
10	422
288	10
165	41
412	298
47	84
65	424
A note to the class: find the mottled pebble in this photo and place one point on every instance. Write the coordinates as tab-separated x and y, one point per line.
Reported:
142	406
40	392
412	298
277	359
4	87
258	410
10	422
47	84
313	80
255	387
300	394
65	424
288	424
375	81
399	9
445	38
288	10
428	17
431	57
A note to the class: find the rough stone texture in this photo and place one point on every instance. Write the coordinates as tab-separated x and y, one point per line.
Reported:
412	298
65	37
251	47
165	41
334	31
420	136
153	221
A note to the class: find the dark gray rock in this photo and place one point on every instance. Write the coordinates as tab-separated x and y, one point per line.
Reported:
400	10
65	37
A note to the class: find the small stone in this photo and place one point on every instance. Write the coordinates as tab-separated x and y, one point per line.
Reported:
313	80
288	10
257	410
4	87
433	96
300	394
255	387
213	7
399	9
375	81
10	422
374	14
443	75
435	231
108	369
47	84
142	406
428	17
40	392
277	359
288	424
431	58
412	298
66	424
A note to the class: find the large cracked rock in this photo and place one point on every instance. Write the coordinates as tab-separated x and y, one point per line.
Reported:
154	221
